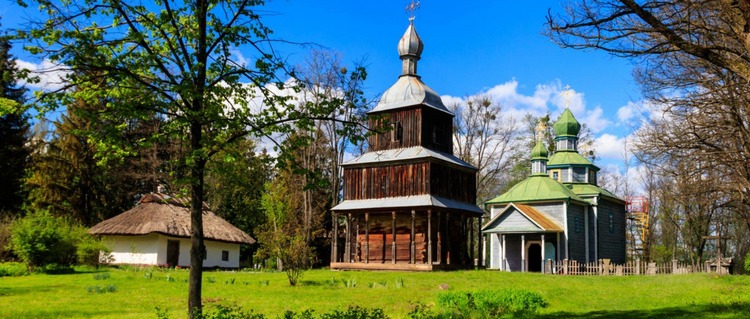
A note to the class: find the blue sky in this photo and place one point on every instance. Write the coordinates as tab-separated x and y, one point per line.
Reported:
471	47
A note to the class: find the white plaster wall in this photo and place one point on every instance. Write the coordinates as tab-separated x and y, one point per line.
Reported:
138	250
152	250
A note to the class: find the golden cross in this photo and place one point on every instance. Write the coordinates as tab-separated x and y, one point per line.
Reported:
567	93
540	129
411	7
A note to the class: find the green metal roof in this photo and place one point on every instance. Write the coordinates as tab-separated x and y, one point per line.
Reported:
589	189
569	157
539	152
566	125
536	188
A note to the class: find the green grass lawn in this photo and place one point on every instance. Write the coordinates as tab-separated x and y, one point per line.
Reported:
137	293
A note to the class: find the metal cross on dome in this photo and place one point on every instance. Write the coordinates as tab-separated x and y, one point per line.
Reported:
567	93
411	8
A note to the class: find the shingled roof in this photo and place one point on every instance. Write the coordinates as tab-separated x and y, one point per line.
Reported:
162	214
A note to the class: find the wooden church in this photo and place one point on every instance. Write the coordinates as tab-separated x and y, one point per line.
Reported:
558	213
409	203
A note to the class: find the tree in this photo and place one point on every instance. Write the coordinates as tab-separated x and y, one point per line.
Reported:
177	60
484	138
14	128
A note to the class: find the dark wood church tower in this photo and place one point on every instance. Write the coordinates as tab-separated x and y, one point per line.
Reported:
409	204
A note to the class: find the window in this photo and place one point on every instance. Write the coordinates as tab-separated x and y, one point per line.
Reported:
592	177
397	132
579	174
224	255
556	175
577	225
205	253
611	223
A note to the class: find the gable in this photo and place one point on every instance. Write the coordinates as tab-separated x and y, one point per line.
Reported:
512	220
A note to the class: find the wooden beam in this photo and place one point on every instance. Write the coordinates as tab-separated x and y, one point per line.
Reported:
429	237
348	249
335	239
367	237
439	238
413	245
393	238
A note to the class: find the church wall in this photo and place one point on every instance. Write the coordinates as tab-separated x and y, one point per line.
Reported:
386	181
611	223
554	210
576	233
437	131
513	253
451	183
410	123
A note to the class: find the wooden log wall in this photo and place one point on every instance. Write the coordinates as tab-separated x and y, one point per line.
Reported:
437	131
453	183
410	121
380	237
416	126
386	181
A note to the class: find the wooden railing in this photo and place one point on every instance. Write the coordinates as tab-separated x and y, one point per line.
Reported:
637	267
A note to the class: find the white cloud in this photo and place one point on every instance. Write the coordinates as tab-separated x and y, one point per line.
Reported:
625	113
52	76
610	147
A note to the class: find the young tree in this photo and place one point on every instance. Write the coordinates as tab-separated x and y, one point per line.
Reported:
14	128
177	60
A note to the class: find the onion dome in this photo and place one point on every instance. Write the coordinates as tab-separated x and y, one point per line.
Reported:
539	152
567	125
410	49
409	90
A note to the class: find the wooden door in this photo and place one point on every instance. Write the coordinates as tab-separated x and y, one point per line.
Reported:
173	253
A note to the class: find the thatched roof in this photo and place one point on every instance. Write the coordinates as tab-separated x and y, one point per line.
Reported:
162	214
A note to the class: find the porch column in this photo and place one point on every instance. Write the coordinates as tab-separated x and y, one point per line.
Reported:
586	231
335	239
470	238
367	238
502	262
348	249
558	247
439	238
447	239
480	242
523	253
393	234
543	253
412	245
429	237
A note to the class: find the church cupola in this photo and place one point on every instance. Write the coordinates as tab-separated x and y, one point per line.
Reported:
539	159
410	49
566	131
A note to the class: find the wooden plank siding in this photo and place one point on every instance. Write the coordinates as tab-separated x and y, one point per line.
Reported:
409	127
451	183
576	233
612	240
408	179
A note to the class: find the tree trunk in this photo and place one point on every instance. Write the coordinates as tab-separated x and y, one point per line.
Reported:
197	248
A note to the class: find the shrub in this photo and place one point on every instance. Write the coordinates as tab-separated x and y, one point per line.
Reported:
747	263
41	239
90	251
13	269
491	303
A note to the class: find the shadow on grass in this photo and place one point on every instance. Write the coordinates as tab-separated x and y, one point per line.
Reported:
731	310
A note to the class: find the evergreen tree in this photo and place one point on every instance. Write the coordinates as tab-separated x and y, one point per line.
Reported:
14	127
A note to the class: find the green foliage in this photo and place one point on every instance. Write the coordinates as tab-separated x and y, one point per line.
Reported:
282	236
13	269
747	263
491	303
41	239
101	289
91	251
101	276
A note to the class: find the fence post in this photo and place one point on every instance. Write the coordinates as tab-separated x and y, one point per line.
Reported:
637	266
674	266
565	266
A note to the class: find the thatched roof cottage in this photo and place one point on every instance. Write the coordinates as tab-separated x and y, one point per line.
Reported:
157	232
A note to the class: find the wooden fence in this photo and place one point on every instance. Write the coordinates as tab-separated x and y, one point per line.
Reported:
637	267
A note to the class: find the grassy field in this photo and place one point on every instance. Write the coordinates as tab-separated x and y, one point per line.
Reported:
138	291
